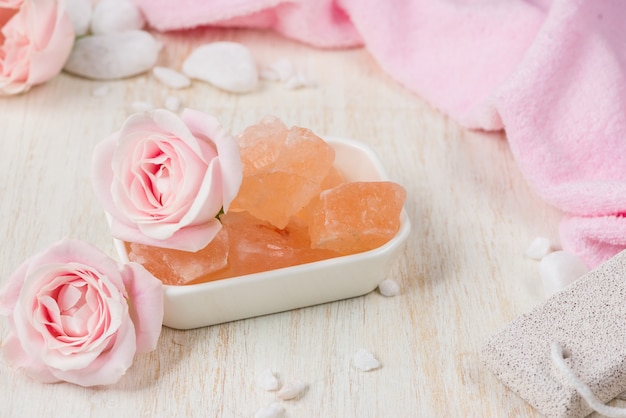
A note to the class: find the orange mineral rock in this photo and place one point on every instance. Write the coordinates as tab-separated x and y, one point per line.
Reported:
182	267
356	217
257	245
283	170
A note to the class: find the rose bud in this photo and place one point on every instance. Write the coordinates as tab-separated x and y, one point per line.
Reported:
75	315
164	179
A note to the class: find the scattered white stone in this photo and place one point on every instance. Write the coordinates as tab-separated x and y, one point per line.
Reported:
171	78
539	248
364	360
226	65
110	16
274	410
299	81
102	90
389	287
79	12
559	269
267	74
114	55
172	103
280	70
266	380
291	389
141	106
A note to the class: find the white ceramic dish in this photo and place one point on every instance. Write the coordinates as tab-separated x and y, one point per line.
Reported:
225	300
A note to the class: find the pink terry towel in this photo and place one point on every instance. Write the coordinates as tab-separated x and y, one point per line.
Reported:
551	73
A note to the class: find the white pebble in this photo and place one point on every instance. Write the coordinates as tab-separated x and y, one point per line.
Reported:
266	380
100	91
274	410
113	56
226	65
539	248
267	74
280	70
389	287
558	270
140	106
291	389
79	12
171	78
299	81
110	16
172	103
364	360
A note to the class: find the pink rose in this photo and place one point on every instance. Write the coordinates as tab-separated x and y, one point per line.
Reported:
164	179
76	316
36	37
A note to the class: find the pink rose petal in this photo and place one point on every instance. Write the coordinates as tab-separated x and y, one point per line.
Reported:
230	159
107	368
146	292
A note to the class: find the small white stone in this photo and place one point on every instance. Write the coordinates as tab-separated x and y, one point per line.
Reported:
266	380
102	90
389	287
171	78
110	16
267	74
364	360
226	65
114	55
79	12
172	103
141	106
539	248
280	70
274	410
291	389
299	81
559	269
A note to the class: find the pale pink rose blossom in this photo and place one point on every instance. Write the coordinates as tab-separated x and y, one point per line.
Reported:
75	315
36	38
164	179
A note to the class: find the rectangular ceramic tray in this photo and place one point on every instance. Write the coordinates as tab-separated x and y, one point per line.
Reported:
225	300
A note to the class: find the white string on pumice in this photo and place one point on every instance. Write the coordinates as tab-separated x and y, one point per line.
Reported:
583	390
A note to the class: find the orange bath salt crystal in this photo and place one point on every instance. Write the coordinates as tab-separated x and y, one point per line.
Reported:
356	217
176	267
261	145
275	197
256	245
332	179
283	170
306	154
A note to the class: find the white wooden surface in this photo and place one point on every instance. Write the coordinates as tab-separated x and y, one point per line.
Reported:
463	273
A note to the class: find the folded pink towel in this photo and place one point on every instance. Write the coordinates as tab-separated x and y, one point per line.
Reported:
551	73
317	22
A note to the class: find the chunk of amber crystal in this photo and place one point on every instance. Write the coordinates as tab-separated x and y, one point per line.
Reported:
356	217
282	170
181	267
256	245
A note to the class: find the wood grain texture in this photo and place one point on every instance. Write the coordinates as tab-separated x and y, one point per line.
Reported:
462	271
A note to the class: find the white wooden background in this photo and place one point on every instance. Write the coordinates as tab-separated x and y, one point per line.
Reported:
462	271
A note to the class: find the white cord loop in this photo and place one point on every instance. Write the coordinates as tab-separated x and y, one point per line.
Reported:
583	390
